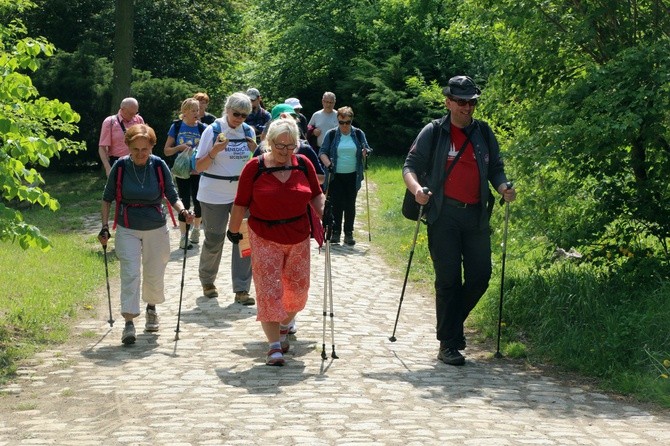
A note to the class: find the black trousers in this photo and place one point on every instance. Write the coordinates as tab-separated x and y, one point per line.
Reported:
343	194
188	189
461	253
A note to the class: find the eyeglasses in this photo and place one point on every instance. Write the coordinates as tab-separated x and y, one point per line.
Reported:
240	115
344	122
289	147
463	102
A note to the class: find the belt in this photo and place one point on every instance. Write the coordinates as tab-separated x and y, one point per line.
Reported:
219	177
279	222
459	204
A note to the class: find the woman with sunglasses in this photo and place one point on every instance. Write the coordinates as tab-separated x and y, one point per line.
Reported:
276	198
225	147
343	153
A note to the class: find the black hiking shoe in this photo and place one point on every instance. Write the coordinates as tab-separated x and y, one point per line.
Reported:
451	356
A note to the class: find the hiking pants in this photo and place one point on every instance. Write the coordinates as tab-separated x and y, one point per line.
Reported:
461	253
144	253
215	223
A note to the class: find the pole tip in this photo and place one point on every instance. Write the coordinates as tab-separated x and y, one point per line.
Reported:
392	339
498	355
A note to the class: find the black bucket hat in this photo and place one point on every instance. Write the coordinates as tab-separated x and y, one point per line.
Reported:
462	87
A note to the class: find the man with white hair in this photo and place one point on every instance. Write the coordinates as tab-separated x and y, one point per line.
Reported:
111	145
324	119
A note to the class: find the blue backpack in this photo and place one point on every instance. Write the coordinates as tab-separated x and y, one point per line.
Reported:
217	129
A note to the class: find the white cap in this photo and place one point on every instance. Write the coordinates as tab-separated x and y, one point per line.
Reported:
293	102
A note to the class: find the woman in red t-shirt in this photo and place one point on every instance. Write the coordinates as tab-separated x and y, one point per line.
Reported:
276	187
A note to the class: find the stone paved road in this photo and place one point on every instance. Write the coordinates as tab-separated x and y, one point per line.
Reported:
211	387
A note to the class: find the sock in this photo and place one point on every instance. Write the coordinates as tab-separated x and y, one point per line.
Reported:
283	331
151	307
129	323
277	346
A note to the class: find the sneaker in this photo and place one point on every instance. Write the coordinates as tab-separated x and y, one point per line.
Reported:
292	327
128	336
451	356
184	244
335	238
152	321
209	290
195	236
349	239
242	297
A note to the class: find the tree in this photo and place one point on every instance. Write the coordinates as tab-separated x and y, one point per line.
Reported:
26	124
123	51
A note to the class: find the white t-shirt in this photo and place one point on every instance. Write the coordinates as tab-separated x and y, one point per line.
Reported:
228	163
324	121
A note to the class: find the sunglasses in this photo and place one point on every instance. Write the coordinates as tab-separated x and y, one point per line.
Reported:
344	122
240	115
463	102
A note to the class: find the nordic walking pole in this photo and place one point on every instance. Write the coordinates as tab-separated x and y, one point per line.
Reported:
367	197
392	338
502	273
109	294
327	279
181	291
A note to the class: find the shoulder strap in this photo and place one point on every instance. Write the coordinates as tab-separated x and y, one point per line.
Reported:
177	126
262	169
201	127
216	126
161	179
247	129
119	185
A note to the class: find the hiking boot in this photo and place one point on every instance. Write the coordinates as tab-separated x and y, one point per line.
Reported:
152	321
184	244
209	290
349	239
128	336
195	236
461	345
451	356
335	238
242	297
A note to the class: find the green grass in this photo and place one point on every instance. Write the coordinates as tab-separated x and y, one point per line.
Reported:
45	291
609	323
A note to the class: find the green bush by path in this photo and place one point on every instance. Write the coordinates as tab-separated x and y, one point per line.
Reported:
606	321
44	292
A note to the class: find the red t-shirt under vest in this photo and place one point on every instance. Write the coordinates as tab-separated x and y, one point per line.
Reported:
463	181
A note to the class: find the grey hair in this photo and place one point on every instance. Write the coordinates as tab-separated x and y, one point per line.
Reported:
330	95
238	102
129	101
279	127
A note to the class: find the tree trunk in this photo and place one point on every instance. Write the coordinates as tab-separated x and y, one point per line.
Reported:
123	52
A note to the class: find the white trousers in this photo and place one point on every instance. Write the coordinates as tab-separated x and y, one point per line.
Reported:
143	257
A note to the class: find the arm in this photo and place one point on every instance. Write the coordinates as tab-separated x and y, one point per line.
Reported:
206	151
104	157
170	149
236	217
324	151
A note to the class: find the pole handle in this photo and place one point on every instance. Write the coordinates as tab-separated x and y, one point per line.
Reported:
509	185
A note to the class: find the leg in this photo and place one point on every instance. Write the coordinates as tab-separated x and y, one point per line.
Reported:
215	222
476	266
444	241
240	270
197	209
155	256
128	248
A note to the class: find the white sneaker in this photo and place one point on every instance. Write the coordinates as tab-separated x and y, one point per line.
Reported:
183	243
195	235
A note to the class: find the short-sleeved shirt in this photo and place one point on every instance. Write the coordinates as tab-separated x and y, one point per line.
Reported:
325	122
228	163
112	134
268	199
